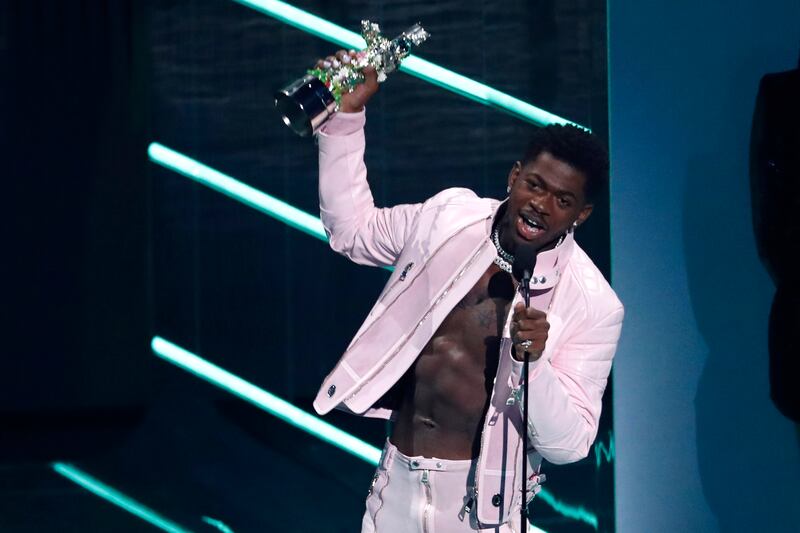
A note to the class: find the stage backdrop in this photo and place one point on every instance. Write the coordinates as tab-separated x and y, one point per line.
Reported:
105	249
279	307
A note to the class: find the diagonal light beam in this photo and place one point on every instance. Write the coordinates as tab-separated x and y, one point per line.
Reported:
420	68
309	423
233	188
268	402
108	493
237	190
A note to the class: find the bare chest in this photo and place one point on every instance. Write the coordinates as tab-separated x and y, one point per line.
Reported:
482	312
460	360
445	393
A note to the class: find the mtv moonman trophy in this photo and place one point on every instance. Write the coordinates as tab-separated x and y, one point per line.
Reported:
310	101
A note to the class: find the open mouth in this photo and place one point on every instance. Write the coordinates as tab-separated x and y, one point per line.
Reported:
529	227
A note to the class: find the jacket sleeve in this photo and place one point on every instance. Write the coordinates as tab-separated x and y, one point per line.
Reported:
566	391
355	227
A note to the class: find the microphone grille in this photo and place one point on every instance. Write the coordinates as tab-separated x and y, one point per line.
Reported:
524	260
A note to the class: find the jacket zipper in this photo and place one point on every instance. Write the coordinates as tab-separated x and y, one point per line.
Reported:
424	317
398	280
524	453
479	470
481	458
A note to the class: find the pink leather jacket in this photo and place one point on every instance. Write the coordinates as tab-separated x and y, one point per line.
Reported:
440	248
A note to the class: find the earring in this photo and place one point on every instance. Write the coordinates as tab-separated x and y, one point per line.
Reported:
508	189
573	227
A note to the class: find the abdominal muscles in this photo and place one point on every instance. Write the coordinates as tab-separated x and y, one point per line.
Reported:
443	397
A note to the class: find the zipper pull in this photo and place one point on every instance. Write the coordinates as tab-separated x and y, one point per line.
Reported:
425	477
406	270
472	494
372	485
465	510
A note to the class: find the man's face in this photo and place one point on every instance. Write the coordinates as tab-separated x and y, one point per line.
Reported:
547	197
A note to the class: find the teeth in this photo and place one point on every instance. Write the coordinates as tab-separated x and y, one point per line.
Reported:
530	223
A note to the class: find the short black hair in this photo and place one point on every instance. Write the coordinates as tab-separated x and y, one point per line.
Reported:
577	147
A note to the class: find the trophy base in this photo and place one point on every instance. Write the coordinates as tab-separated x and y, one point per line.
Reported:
305	105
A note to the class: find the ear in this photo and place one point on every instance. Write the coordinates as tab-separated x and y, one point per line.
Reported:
584	214
514	173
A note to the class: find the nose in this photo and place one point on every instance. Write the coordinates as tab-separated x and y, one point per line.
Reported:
539	202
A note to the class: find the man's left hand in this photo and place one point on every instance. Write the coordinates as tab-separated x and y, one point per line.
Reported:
528	324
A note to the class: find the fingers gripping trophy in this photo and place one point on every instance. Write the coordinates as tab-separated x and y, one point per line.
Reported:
308	102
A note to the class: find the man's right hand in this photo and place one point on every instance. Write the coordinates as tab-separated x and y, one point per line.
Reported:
354	101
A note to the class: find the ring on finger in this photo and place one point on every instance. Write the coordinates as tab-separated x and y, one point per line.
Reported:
526	343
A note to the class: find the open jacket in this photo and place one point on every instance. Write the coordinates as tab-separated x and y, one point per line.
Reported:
439	249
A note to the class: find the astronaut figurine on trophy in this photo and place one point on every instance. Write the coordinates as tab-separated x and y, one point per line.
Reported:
310	101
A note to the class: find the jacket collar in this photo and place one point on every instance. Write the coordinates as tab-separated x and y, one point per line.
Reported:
551	263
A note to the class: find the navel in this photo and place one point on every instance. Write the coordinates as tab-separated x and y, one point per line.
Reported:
427	422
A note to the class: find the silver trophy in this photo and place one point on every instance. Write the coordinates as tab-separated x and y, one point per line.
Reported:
307	103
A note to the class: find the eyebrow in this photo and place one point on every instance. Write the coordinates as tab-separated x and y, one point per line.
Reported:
558	192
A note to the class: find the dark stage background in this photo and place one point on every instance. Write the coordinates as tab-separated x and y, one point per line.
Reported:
105	249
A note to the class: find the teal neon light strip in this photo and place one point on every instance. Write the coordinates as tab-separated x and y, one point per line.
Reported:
297	417
115	497
260	398
237	190
219	524
305	21
569	511
479	92
425	70
233	188
603	452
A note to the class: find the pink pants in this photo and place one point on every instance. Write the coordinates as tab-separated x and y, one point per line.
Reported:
423	495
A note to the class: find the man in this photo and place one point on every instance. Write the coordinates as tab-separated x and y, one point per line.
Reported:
440	353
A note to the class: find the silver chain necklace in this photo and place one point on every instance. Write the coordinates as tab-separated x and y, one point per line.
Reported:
503	259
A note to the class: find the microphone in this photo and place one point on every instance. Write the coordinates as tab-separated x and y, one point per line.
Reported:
522	270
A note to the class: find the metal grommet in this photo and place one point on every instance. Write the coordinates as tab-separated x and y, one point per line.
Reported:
438	465
497	500
415	463
331	390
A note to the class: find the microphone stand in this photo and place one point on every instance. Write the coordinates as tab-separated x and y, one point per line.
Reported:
526	295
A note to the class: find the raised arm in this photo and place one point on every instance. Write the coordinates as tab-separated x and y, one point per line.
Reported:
355	227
